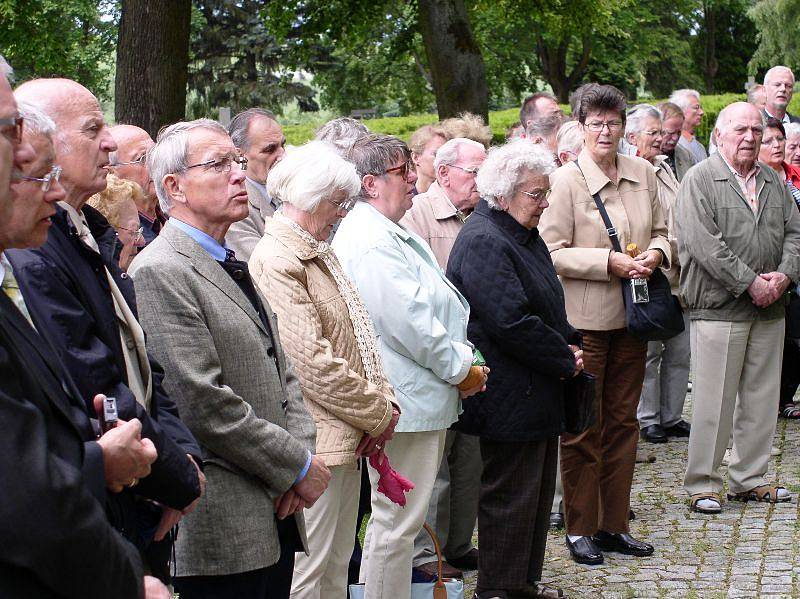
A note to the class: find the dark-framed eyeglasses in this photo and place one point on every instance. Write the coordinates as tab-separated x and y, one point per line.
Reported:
222	165
597	126
402	169
12	128
138	234
540	195
47	180
139	160
347	205
469	170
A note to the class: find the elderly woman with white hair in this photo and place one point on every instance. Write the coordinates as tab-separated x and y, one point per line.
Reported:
667	367
569	141
327	332
519	322
793	144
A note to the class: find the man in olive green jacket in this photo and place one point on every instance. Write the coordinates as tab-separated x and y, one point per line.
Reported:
739	243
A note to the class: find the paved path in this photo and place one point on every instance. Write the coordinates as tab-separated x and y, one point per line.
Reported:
748	551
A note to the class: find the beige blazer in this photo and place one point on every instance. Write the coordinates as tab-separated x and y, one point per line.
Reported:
434	218
579	244
243	236
318	336
668	196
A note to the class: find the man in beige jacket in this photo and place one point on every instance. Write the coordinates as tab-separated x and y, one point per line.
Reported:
437	216
739	242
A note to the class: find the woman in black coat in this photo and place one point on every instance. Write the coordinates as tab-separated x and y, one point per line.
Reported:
519	323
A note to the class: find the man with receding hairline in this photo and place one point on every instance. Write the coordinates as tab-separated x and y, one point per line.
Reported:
779	89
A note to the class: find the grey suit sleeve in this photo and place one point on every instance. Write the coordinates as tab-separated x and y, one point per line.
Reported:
221	420
298	420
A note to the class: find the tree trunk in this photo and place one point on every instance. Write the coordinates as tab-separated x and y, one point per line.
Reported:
553	61
456	65
152	63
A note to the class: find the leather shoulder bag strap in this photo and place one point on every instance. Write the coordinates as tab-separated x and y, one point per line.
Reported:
610	229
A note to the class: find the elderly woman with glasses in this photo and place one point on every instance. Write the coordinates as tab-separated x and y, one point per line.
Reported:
597	465
327	332
667	368
421	322
117	202
518	320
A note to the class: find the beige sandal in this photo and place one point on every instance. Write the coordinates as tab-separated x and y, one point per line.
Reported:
763	494
700	509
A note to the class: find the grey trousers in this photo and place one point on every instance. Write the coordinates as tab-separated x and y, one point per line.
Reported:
666	377
453	508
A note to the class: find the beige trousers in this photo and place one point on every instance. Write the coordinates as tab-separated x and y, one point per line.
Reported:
330	527
391	530
736	375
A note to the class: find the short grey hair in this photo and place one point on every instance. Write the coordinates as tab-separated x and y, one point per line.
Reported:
505	165
774	71
792	130
543	127
6	70
372	154
169	154
683	97
35	120
753	92
638	115
448	151
342	131
311	173
569	137
241	123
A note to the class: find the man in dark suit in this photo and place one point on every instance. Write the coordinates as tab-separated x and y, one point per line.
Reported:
57	541
85	307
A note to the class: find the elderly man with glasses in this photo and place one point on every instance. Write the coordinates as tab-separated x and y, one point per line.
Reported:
129	162
84	305
218	338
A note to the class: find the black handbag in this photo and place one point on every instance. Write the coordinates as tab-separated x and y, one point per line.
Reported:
658	318
579	411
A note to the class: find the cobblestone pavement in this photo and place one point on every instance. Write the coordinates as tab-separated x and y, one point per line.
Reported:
749	550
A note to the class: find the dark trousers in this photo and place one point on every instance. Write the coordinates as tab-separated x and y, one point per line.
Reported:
517	486
274	582
790	370
597	465
364	508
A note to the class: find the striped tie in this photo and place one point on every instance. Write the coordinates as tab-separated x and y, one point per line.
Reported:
11	289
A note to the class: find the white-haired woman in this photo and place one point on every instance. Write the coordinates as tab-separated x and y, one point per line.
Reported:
569	141
519	322
327	332
793	144
667	368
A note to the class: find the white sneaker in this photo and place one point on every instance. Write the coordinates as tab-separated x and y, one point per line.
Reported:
773	451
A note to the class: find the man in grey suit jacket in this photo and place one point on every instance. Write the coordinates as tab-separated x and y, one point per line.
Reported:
259	138
218	341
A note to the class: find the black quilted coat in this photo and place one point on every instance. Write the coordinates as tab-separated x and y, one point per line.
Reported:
519	323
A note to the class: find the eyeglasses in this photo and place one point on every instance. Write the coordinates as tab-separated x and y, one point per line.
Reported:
139	160
138	234
540	195
222	165
347	205
471	171
778	140
597	126
47	180
12	129
403	169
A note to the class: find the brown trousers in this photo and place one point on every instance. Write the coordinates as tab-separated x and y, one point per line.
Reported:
597	465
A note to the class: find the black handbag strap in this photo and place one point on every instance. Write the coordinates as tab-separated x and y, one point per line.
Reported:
610	229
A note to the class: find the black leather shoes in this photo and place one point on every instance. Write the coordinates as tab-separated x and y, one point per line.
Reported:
556	521
622	543
468	561
584	551
679	429
654	434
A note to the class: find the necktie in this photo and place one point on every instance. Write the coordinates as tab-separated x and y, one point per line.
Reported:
11	289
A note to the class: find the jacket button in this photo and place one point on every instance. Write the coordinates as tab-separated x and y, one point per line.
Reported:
130	343
270	352
124	275
238	275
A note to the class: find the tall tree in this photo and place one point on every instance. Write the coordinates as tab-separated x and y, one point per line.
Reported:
778	26
152	63
456	64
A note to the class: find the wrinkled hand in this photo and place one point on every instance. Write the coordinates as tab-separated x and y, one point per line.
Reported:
169	518
155	589
479	388
287	504
650	259
368	446
578	359
778	282
314	483
126	456
623	266
762	293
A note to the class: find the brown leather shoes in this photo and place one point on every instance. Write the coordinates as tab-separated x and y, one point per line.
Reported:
448	571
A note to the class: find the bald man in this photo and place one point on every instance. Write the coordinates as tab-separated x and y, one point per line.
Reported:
738	236
85	306
129	162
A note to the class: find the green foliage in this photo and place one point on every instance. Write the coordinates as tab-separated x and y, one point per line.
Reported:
66	38
778	25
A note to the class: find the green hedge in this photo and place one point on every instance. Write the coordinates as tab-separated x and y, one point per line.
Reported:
501	120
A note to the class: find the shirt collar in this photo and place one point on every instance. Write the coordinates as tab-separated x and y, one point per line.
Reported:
785	120
370	211
752	173
208	243
441	205
262	187
596	179
74	216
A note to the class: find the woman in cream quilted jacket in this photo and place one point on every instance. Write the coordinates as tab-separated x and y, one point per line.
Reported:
326	331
